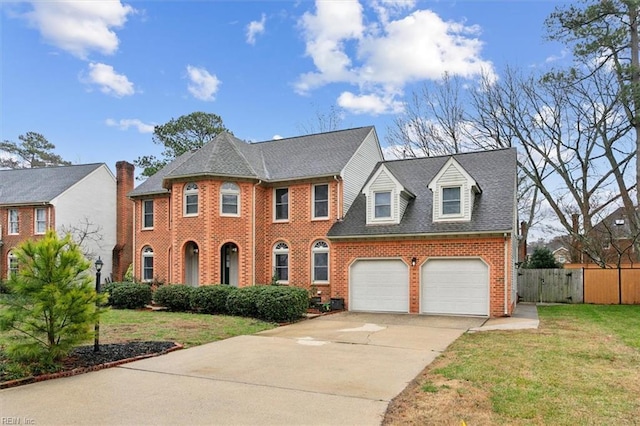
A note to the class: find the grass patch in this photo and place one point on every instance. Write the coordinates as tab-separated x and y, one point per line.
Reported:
580	366
123	325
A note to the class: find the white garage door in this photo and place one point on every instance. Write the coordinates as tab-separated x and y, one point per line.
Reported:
380	285
455	286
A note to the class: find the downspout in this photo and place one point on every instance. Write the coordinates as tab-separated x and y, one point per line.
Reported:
338	198
253	245
135	248
506	273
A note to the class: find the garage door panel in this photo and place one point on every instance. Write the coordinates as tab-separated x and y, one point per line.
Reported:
455	286
379	285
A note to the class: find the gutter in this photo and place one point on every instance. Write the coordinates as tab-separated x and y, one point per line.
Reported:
253	225
431	234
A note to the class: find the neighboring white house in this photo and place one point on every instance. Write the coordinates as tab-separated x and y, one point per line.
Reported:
80	199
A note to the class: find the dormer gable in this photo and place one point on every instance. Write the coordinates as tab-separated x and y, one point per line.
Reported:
453	190
386	197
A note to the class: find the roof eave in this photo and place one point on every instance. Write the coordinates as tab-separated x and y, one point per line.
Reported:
422	234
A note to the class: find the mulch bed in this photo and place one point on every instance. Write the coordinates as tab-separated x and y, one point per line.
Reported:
83	359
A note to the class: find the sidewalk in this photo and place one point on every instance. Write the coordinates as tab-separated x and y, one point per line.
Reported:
524	317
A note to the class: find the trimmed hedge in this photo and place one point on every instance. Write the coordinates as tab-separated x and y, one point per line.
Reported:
243	302
175	297
128	295
282	304
211	299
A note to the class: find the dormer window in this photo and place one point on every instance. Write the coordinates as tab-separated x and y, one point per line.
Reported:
382	205
451	200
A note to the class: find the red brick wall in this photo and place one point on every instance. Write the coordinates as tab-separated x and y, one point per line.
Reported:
158	238
490	249
26	217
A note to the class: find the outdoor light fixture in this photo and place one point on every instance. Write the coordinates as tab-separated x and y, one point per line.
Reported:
414	261
96	340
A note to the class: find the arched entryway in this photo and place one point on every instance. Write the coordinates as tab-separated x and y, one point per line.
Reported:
191	264
229	264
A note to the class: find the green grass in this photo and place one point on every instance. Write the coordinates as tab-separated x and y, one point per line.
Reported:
580	367
122	325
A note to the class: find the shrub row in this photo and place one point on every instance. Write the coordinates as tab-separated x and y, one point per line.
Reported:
266	302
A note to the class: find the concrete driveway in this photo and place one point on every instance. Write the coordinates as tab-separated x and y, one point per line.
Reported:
342	368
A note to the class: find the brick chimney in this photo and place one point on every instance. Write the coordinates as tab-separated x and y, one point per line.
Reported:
123	250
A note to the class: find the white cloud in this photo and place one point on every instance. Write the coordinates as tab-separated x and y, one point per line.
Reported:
369	104
277	137
401	47
126	123
254	28
108	80
202	84
80	27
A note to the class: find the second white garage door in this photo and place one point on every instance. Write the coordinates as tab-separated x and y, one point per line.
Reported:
379	285
455	286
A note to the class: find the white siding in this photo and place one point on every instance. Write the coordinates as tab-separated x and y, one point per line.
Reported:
383	182
93	198
453	176
404	201
358	169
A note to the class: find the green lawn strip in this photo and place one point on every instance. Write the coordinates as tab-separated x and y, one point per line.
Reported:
122	325
577	368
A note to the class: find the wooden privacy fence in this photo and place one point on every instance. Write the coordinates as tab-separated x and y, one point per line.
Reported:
612	286
598	286
550	285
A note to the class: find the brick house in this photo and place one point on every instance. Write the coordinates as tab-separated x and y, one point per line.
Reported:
327	210
80	199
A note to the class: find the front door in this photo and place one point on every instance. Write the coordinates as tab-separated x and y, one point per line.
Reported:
229	264
191	264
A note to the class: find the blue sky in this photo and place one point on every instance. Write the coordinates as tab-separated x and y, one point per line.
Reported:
95	76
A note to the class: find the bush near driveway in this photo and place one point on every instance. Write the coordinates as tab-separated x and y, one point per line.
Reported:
244	302
282	304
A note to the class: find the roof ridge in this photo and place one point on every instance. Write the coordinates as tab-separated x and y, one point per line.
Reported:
234	140
456	154
310	135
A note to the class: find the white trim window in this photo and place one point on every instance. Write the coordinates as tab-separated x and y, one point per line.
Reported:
281	262
451	200
147	214
320	262
320	201
281	204
12	264
382	205
147	264
229	199
14	222
40	221
191	199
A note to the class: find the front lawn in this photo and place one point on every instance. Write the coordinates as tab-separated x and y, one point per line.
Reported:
122	325
579	367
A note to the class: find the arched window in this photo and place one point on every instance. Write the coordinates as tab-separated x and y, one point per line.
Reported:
281	262
147	264
229	199
12	262
191	199
320	260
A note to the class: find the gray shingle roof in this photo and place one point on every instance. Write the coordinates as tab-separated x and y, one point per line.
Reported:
300	157
493	210
40	185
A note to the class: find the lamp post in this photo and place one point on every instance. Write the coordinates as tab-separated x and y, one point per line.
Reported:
96	341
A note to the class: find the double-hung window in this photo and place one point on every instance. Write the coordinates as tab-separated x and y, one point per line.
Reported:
147	214
382	205
147	264
12	262
320	265
451	200
191	199
321	201
281	262
281	196
40	224
14	221
230	199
